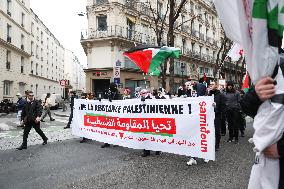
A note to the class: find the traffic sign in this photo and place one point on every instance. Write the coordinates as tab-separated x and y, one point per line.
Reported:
118	63
116	72
64	82
116	81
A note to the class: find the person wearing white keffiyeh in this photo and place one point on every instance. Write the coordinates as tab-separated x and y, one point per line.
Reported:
257	25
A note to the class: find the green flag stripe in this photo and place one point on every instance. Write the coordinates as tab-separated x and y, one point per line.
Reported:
161	57
259	9
273	18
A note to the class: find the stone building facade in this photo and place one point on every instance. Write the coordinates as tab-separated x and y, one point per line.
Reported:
31	58
115	26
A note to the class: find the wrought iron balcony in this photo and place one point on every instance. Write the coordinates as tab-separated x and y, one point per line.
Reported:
144	9
100	2
119	32
195	33
131	4
201	36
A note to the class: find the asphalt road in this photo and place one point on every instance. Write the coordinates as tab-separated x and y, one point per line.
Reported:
68	164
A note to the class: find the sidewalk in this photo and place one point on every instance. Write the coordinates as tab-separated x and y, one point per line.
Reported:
60	113
2	114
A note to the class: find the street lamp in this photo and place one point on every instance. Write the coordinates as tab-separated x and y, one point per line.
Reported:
182	66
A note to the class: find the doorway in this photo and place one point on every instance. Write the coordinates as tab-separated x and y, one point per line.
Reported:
100	86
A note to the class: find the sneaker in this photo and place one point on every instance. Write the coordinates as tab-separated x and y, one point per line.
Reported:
83	140
230	140
191	162
206	160
45	141
67	127
22	147
105	145
236	141
52	119
145	153
243	135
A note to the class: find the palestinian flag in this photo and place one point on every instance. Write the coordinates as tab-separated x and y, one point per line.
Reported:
245	86
149	58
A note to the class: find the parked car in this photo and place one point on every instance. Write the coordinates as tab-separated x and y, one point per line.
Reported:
7	106
56	100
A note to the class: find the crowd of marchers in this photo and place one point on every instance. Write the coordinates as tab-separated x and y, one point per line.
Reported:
230	106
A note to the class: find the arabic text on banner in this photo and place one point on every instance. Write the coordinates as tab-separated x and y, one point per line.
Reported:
182	126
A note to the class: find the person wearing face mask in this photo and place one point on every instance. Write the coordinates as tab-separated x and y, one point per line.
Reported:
31	116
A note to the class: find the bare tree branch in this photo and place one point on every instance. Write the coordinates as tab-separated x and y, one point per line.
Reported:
181	5
186	21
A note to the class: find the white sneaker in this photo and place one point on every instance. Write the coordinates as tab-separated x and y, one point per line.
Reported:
206	160
191	162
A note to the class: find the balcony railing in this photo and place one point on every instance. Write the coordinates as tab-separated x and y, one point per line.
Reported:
119	32
195	33
131	4
100	2
144	9
201	36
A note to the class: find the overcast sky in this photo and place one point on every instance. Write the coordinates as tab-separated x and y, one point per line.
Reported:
61	17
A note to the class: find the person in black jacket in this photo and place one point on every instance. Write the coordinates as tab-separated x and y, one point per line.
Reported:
112	94
73	96
264	90
31	117
218	107
232	109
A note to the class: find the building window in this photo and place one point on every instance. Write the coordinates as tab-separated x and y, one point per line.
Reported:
36	89
36	51
192	46
22	42
36	69
32	48
183	46
102	23
32	28
9	4
201	70
41	37
37	33
159	9
7	88
41	70
9	28
32	65
130	28
41	54
23	20
22	64
8	60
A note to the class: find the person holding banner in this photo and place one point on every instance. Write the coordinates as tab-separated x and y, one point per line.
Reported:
73	96
112	94
90	96
218	108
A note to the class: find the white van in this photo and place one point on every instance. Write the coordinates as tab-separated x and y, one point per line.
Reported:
56	100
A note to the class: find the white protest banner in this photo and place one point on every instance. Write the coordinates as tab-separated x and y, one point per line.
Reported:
182	126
